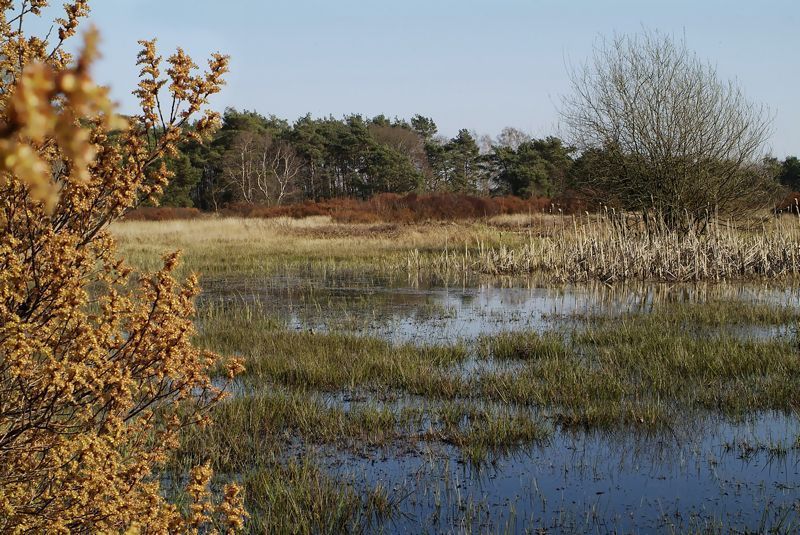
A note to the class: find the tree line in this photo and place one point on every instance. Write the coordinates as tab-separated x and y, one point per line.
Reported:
257	159
266	160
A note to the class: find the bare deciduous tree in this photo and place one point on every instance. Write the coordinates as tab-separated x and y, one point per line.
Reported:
261	169
285	166
673	135
404	141
511	138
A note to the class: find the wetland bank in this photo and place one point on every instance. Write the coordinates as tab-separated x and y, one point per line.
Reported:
394	383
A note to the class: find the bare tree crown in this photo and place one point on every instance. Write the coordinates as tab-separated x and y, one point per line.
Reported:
673	134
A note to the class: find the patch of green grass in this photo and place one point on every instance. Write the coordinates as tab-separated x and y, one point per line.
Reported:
714	313
726	313
298	497
571	390
483	432
723	371
332	361
650	369
523	346
253	429
226	329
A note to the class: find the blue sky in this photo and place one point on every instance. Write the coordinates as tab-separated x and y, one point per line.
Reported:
478	64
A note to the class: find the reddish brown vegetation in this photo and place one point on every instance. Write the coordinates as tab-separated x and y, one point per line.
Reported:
162	213
386	207
789	204
401	208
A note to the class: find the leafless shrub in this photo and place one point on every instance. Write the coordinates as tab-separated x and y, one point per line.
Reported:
672	135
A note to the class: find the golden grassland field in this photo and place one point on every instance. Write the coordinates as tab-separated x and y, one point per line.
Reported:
236	246
612	373
556	248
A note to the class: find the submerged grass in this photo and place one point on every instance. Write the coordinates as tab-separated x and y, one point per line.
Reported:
483	432
642	370
746	449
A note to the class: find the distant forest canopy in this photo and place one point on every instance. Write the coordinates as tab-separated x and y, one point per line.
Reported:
264	160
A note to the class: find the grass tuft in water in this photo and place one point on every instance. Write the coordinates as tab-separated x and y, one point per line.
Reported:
298	497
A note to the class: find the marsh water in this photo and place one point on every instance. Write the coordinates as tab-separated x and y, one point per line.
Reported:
405	310
742	474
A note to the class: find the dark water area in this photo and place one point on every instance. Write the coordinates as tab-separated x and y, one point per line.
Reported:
712	473
742	476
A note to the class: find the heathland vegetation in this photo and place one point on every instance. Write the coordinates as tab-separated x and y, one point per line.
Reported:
132	402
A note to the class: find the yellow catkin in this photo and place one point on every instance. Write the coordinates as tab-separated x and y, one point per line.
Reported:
97	375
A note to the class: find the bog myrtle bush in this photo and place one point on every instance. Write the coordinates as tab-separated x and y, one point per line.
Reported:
98	374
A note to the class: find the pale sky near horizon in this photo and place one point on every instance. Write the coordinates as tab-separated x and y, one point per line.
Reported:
477	64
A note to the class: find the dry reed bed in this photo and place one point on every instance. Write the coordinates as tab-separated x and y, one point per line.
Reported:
595	249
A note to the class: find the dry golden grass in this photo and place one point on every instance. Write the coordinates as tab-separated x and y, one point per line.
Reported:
237	246
538	220
550	247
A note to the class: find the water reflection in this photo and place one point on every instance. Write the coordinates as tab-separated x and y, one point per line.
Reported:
712	472
387	308
596	482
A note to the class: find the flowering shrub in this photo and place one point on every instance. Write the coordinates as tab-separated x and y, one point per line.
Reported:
97	371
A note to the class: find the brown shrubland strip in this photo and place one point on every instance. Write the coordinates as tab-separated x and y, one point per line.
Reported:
386	207
162	213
